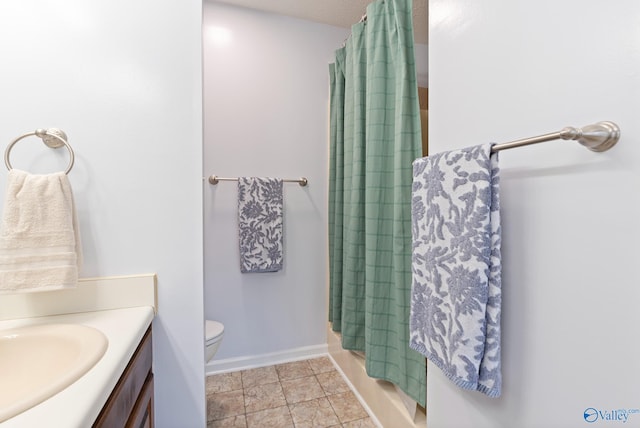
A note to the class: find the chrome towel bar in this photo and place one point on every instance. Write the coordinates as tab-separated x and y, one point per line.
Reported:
598	137
214	179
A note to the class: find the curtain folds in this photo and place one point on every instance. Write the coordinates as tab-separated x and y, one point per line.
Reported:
375	136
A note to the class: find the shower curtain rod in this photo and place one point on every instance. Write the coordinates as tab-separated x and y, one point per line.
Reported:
302	181
598	137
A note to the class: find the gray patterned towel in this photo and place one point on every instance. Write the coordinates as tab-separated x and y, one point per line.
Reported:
455	297
260	224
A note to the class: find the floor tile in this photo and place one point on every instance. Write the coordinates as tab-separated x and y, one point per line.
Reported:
347	407
224	382
278	417
332	383
300	394
321	365
301	389
294	370
316	413
259	376
233	422
262	397
225	404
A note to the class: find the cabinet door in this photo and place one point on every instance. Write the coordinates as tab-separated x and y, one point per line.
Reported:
142	413
135	383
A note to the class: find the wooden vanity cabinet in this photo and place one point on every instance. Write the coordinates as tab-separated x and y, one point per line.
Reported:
130	404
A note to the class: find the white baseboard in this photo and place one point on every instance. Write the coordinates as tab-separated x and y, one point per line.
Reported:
253	361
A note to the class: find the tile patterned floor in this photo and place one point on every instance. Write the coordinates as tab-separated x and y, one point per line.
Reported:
301	394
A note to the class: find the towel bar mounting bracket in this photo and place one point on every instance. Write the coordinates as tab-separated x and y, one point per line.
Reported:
52	137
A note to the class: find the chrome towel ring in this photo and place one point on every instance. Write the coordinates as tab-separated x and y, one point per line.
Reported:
52	137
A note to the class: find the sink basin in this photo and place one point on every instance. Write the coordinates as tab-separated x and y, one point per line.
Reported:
37	362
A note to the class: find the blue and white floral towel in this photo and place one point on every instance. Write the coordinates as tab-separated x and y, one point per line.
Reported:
260	207
455	297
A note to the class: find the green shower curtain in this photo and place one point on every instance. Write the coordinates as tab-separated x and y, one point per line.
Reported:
375	136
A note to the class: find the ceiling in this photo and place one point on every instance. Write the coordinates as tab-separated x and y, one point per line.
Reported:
340	13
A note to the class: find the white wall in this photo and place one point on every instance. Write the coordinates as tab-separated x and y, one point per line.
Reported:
123	79
266	114
499	71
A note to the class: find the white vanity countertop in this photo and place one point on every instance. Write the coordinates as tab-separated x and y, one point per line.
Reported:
79	404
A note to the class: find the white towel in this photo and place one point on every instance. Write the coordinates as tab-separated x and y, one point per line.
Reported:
260	224
40	246
456	268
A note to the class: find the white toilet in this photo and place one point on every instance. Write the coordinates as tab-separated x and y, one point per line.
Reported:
214	331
